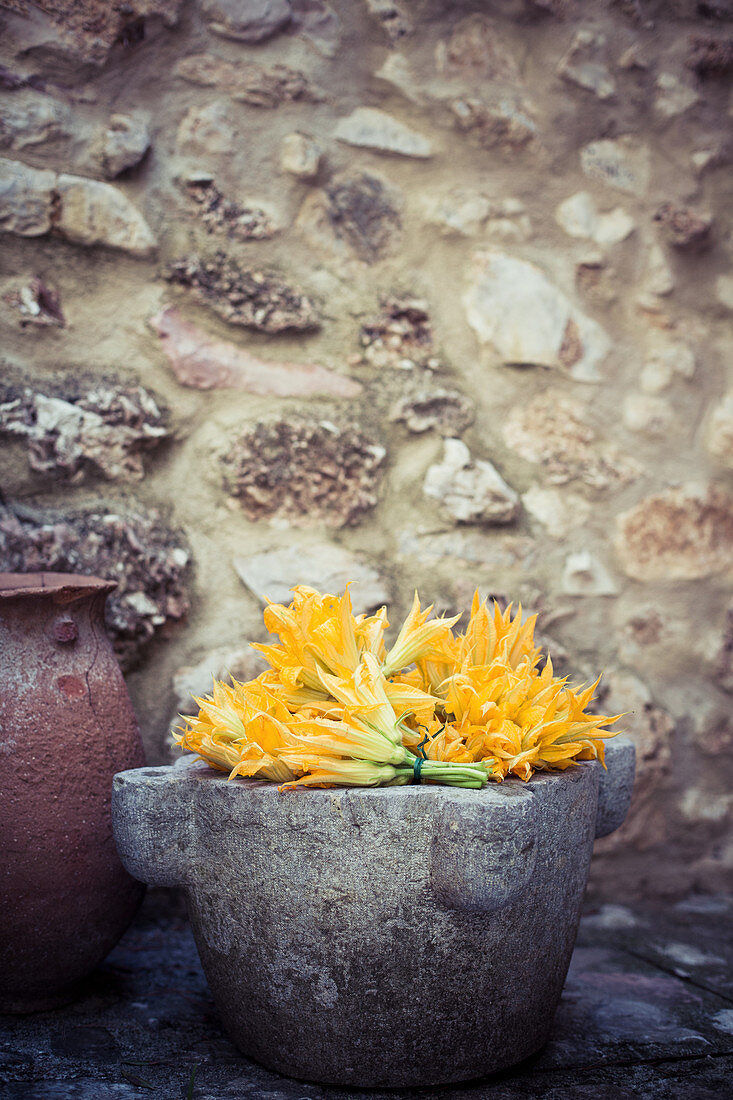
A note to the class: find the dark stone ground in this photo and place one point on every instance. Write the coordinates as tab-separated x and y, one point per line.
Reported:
647	1011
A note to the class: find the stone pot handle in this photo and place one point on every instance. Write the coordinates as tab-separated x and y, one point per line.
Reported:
615	786
479	868
152	817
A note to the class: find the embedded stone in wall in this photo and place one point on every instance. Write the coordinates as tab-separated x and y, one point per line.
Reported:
645	628
558	512
104	430
271	573
702	806
714	156
460	211
250	83
239	221
477	53
31	302
655	375
200	361
33	201
304	472
447	411
398	73
584	575
623	163
649	414
719	431
579	217
674	96
246	20
505	291
683	227
504	125
357	213
124	144
393	17
485	548
383	133
596	278
553	430
680	355
635	58
465	213
680	534
26	198
68	36
710	55
300	155
319	23
470	491
508	221
714	731
658	279
664	359
250	298
132	547
30	118
208	131
584	64
402	336
90	212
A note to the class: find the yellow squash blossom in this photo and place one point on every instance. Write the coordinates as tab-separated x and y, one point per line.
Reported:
239	729
417	639
336	708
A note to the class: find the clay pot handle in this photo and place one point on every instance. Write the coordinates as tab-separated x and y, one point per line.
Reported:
483	855
615	786
152	817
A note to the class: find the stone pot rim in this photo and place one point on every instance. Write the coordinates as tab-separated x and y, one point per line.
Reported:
68	586
192	767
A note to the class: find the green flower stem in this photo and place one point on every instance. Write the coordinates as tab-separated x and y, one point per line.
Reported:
450	773
455	775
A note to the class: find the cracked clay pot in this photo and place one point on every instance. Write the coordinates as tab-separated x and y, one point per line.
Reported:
66	726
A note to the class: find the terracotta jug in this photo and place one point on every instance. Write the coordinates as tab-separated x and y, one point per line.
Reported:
66	726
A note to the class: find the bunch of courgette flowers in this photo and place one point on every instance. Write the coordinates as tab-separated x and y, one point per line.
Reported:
336	708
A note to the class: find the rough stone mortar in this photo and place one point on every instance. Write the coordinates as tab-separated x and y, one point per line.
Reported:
396	936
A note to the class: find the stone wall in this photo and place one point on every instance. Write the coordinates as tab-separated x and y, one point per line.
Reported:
417	294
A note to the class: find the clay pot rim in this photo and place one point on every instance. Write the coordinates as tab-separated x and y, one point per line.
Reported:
70	585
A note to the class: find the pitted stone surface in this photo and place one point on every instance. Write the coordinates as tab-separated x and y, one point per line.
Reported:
330	568
383	133
504	291
85	211
105	429
304	471
289	893
244	297
252	21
